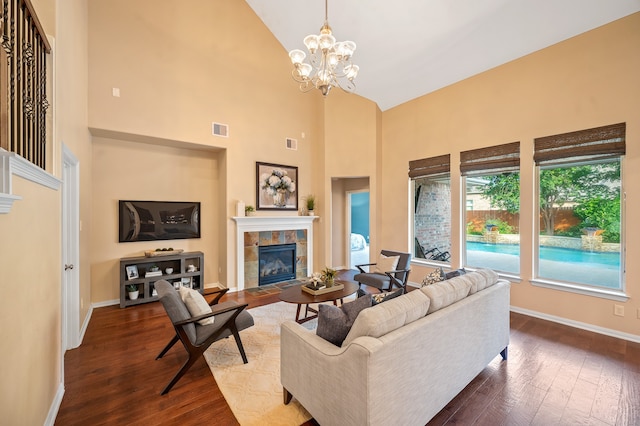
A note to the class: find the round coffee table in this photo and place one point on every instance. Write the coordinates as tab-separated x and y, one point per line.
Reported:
294	294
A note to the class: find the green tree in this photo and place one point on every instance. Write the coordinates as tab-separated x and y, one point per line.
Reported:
596	186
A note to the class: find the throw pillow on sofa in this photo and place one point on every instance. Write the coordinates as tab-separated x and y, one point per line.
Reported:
455	273
335	322
433	277
378	298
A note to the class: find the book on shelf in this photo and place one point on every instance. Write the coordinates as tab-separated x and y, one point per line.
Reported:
153	274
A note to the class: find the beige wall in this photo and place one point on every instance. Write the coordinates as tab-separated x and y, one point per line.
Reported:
125	170
590	80
30	233
351	134
179	71
30	308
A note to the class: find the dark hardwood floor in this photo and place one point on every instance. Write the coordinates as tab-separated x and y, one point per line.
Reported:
555	375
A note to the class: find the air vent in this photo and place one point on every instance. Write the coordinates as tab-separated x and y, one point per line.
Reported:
292	144
220	130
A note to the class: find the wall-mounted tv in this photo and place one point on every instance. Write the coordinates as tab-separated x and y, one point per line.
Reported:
158	220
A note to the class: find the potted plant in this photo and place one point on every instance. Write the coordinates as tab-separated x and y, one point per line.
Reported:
132	289
311	204
329	276
249	210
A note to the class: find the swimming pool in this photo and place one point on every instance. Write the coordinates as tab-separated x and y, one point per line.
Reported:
594	268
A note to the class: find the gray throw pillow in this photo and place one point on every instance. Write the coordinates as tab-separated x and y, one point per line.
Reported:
335	322
455	273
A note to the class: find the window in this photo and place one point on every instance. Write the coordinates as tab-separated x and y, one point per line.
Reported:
579	193
431	184
492	187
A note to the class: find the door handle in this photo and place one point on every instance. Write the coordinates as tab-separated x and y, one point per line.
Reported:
67	267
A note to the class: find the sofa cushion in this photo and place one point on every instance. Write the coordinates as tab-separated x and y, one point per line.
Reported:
445	293
386	317
335	322
196	304
481	279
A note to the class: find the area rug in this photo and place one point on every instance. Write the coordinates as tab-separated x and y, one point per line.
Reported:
253	390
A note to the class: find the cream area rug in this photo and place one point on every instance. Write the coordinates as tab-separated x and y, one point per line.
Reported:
253	390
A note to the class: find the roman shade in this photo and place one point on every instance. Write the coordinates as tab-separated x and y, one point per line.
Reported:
599	142
498	158
430	166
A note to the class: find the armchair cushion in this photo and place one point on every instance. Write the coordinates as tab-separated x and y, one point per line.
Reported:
335	322
243	320
386	264
196	304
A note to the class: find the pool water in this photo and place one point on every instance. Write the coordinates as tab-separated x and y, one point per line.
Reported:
585	267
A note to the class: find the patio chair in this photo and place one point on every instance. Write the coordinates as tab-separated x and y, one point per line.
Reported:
384	279
432	253
230	318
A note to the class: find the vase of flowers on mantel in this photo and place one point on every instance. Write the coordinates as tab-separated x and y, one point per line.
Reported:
278	185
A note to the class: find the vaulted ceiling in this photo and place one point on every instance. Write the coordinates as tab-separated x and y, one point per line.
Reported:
408	48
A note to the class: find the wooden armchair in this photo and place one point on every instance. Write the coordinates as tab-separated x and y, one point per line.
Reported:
230	318
385	280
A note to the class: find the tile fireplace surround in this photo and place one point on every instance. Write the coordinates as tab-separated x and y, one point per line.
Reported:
269	230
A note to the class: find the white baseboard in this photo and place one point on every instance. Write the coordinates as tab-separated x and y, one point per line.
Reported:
105	303
55	406
85	324
577	324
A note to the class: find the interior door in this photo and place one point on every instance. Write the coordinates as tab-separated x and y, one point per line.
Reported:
70	251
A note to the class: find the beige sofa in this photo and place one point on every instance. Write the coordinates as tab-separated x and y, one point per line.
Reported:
403	360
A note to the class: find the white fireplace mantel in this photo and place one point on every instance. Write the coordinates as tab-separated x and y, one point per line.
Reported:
270	223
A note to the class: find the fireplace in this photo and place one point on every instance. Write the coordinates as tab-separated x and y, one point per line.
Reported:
276	263
252	232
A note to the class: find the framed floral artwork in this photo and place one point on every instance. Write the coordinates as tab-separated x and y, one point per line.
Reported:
276	187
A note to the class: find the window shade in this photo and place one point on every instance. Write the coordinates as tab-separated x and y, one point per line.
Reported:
606	141
430	166
503	158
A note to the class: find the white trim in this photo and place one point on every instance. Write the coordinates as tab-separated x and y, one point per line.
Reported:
270	223
581	289
85	324
13	164
55	406
577	324
105	303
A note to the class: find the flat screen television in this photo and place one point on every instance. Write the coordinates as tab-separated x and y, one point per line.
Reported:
158	220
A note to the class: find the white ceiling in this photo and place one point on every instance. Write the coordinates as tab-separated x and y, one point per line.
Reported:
408	48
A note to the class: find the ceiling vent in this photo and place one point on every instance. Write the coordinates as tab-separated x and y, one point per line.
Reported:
292	144
220	130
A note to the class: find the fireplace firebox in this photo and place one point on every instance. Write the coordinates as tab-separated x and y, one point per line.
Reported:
277	263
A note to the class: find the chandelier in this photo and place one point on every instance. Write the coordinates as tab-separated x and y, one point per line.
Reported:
329	62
